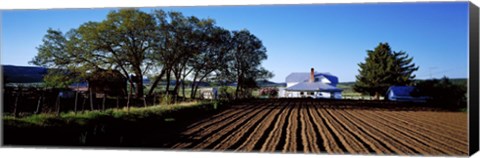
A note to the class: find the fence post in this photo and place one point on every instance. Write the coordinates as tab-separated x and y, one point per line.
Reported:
15	110
91	100
128	102
103	101
57	103
38	104
76	100
118	98
83	103
144	100
154	98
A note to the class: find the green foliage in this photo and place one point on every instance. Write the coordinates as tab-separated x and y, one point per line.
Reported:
56	79
54	53
160	44
443	92
269	91
383	68
244	64
166	99
132	115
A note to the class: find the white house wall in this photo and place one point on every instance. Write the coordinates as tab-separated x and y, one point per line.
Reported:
296	94
281	92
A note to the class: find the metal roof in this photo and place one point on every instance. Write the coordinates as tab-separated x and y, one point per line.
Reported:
401	90
313	86
305	76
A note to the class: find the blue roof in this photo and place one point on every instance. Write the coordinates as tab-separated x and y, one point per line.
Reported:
402	93
305	76
313	86
401	90
79	84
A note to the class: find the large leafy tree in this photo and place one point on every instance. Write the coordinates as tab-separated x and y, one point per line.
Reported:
383	68
161	44
244	64
178	42
214	47
55	53
131	33
188	47
121	42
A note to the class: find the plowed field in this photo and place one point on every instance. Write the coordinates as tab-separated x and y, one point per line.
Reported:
313	126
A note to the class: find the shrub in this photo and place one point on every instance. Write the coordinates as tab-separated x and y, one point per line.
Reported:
269	91
442	92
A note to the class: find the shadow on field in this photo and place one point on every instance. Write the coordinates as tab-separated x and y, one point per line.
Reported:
107	131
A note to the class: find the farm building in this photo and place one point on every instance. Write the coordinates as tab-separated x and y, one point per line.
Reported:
403	93
313	84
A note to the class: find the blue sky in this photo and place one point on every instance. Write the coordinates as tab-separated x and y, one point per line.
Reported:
331	37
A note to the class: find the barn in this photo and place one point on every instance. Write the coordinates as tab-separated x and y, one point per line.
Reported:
403	93
312	85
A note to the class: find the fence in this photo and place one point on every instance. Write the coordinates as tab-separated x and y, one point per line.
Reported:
360	97
25	101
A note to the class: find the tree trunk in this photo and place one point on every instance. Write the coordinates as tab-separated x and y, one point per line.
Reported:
195	91
103	101
144	101
237	90
57	103
177	85
128	102
184	75
183	88
39	104
76	100
83	104
192	93
197	85
118	100
168	86
139	87
155	83
129	95
154	99
91	99
376	96
168	83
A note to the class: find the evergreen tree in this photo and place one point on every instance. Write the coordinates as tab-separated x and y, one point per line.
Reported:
402	69
383	68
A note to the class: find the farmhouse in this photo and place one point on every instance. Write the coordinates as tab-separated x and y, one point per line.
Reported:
403	93
313	85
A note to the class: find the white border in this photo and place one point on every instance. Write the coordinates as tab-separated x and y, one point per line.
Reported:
48	4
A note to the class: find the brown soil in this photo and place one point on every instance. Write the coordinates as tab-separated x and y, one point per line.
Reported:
313	126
